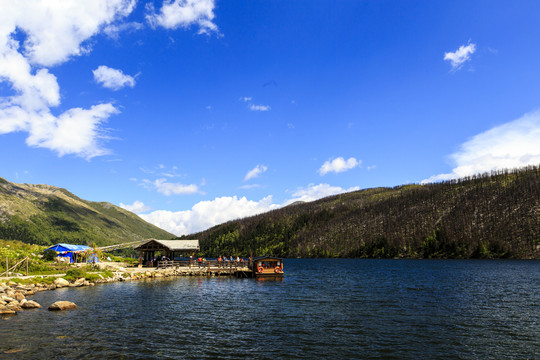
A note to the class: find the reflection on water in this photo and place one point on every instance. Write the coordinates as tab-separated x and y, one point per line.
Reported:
341	308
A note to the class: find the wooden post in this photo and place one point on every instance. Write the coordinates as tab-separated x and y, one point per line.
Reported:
27	266
7	266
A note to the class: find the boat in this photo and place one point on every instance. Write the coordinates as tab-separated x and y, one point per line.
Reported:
267	266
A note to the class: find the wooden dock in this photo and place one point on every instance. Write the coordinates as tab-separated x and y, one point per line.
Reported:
211	267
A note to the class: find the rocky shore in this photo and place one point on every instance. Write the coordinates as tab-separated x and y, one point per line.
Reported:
13	295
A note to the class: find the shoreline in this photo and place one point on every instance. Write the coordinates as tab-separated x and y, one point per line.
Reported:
14	295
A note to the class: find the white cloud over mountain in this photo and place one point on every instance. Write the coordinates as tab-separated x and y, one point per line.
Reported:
511	145
206	214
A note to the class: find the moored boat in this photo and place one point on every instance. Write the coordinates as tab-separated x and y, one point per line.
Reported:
267	266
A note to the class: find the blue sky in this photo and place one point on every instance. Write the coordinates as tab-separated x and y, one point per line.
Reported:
195	112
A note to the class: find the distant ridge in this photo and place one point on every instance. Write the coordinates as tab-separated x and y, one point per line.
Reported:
485	216
44	214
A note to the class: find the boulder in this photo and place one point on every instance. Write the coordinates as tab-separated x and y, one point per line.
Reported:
62	305
60	282
31	304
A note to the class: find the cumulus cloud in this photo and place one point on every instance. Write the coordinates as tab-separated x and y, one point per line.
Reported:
339	165
112	78
460	56
254	107
206	214
184	13
314	192
255	172
54	31
137	207
167	188
511	145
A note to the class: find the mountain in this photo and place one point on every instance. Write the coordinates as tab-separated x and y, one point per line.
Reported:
484	216
46	215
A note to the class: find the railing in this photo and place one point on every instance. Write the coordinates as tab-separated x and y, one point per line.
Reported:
208	264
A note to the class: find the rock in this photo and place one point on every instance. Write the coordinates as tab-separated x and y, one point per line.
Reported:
12	283
18	296
31	304
14	306
4	310
62	305
60	282
80	282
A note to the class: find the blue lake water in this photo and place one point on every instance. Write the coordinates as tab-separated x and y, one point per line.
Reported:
324	308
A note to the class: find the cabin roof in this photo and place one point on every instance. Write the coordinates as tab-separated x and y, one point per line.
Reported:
171	245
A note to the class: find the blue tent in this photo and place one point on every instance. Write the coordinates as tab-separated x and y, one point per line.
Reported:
67	250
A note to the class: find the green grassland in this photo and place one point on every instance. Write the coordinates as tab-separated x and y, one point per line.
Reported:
46	215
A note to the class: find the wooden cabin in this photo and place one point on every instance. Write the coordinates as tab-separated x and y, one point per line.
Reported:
267	266
168	249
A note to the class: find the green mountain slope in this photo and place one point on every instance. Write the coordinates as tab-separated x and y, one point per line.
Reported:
43	214
484	216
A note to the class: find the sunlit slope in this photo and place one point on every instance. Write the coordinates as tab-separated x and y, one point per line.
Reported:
44	214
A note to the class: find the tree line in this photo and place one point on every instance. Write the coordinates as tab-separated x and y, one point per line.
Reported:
495	215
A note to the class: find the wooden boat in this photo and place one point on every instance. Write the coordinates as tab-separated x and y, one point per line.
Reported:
267	266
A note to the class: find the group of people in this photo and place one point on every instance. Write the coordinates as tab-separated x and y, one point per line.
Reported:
221	260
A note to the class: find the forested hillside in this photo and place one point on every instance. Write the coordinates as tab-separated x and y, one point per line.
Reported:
486	216
45	215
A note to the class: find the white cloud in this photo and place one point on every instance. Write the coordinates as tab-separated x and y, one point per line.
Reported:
206	214
168	188
339	165
511	145
112	78
113	30
254	107
137	207
460	56
53	32
246	99
255	172
184	13
314	192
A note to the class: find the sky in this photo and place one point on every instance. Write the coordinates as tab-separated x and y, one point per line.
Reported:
191	113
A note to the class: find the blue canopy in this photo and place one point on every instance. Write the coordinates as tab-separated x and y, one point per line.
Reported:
67	250
68	247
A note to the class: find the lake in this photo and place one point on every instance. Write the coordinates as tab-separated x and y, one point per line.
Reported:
323	308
